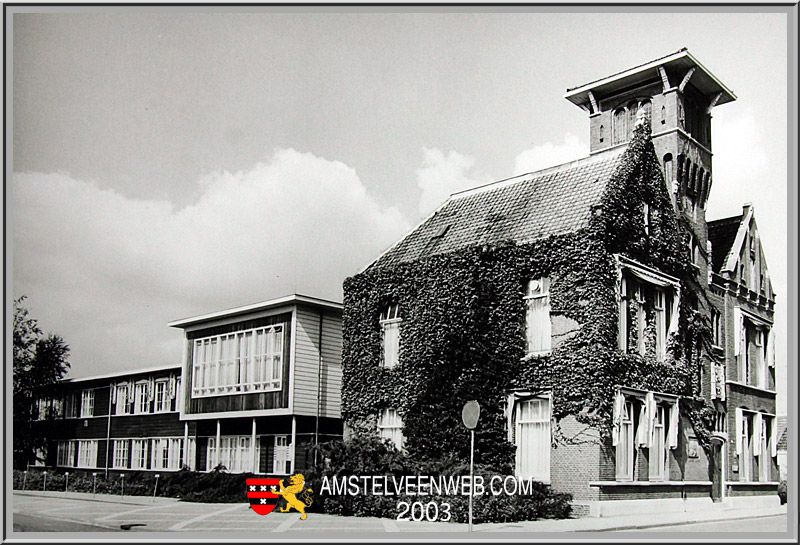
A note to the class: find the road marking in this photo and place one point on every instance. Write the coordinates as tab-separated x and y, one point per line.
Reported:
123	513
286	524
183	524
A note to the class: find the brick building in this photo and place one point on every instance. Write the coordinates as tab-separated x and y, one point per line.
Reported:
258	385
682	426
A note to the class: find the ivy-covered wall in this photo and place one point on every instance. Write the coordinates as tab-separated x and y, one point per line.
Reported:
463	317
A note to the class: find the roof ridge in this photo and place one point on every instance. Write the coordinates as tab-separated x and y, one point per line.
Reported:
528	176
731	219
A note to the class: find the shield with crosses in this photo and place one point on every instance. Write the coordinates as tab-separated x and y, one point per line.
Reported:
263	494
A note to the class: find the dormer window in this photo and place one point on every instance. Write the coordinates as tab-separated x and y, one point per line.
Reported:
390	335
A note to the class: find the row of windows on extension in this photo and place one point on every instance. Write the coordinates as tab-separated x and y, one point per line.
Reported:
235	452
142	397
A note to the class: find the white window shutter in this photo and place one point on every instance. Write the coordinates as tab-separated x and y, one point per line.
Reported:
738	326
642	430
619	400
757	431
713	366
622	338
773	436
510	416
739	418
113	387
771	348
650	401
674	422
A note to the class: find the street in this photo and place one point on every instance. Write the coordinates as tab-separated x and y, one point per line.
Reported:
74	512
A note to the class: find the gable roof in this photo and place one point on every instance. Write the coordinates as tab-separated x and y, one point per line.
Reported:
783	432
722	234
548	202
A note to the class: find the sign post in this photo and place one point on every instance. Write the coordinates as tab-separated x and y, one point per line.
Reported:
469	415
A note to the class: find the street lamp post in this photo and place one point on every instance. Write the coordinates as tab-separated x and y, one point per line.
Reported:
66	482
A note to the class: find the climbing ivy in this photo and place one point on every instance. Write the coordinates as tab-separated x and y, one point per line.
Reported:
463	325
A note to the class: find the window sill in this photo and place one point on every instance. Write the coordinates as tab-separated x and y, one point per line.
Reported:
752	483
751	387
531	355
649	483
236	393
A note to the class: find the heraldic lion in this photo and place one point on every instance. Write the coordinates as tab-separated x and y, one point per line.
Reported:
290	492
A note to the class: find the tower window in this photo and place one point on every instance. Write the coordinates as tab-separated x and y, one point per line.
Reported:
624	119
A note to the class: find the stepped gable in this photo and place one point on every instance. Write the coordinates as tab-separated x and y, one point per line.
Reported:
722	233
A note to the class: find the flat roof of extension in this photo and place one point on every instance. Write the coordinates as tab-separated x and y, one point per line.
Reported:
126	372
264	305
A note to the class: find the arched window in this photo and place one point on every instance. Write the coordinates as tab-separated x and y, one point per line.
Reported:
620	129
601	133
668	167
624	119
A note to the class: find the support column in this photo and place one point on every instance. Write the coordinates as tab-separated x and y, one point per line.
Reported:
254	465
216	447
294	440
185	456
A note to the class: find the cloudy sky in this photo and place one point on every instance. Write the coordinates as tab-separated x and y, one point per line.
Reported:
172	164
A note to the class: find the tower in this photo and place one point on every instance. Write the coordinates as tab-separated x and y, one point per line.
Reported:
677	94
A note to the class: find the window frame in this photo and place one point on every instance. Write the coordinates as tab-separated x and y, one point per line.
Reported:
87	451
390	320
87	403
632	277
141	402
121	453
542	314
545	422
390	419
254	366
164	400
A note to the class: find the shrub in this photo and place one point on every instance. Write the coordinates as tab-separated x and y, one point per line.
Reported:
782	491
366	456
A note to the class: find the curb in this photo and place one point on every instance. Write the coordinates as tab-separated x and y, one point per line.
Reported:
98	497
679	523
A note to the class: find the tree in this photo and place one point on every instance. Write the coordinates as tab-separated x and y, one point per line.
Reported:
39	363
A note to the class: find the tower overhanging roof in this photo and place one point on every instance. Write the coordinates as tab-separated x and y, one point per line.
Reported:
680	61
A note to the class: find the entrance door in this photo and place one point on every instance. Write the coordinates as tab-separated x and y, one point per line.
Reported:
717	478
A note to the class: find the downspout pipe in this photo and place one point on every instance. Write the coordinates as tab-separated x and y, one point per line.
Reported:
319	387
108	429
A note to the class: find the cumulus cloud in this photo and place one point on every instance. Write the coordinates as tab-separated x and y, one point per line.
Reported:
108	272
550	154
441	175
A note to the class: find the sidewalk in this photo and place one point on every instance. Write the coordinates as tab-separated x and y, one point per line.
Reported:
631	522
167	514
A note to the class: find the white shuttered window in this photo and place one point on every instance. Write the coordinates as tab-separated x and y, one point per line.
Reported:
533	439
390	426
537	317
390	336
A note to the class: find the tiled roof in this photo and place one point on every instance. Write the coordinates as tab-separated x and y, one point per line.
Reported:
722	233
782	432
527	207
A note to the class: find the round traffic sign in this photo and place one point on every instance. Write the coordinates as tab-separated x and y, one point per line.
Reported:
470	414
